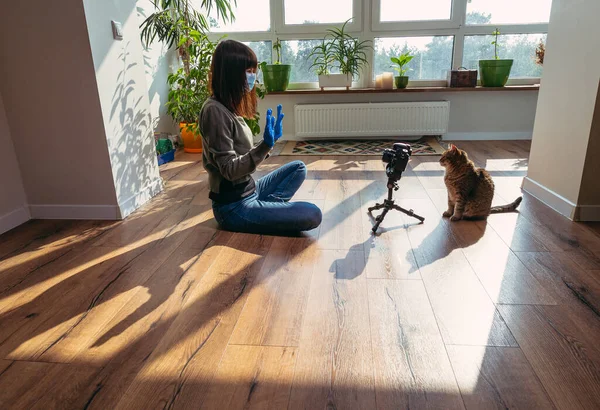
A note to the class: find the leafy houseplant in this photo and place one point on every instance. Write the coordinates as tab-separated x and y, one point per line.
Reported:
495	73
339	49
189	91
178	24
401	80
276	76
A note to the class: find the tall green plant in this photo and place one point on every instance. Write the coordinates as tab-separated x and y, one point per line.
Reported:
189	90
277	48
496	33
176	22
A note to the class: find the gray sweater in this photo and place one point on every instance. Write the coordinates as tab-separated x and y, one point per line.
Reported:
228	153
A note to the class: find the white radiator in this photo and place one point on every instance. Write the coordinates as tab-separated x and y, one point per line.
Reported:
398	119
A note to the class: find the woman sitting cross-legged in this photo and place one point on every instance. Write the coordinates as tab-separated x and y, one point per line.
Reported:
239	203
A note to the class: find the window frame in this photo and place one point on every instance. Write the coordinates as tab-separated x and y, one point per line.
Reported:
368	11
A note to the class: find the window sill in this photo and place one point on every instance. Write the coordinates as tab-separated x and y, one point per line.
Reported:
316	91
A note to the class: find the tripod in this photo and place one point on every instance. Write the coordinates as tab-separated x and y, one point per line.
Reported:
389	204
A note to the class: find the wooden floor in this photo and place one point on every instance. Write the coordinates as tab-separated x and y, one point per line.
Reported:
165	311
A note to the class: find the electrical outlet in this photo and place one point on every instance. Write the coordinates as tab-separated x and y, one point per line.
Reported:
117	29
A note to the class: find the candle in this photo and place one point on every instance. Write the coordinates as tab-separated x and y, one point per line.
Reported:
378	81
387	81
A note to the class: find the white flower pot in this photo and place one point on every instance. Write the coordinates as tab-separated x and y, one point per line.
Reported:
335	80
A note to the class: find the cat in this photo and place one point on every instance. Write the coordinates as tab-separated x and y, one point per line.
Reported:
470	189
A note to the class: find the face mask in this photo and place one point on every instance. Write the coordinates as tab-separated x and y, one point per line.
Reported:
250	78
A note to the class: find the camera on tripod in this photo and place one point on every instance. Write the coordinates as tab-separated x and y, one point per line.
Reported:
396	160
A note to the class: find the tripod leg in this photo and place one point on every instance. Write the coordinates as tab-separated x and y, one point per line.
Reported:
408	212
379	220
375	207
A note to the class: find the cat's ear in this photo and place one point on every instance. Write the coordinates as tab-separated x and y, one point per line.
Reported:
452	147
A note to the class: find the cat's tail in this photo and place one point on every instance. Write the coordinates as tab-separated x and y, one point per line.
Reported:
507	208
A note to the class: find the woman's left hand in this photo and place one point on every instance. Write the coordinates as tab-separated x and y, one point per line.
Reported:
273	128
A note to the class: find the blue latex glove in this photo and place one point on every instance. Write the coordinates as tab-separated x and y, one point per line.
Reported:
269	132
273	128
278	123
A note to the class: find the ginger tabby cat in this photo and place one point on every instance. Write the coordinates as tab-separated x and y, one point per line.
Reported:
470	189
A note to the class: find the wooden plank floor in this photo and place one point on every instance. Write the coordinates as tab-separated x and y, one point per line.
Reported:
163	310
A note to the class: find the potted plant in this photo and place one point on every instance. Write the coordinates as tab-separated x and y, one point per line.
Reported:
342	50
401	80
189	91
276	76
177	23
495	73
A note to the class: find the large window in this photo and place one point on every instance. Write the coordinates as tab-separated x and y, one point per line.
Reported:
415	10
317	11
432	55
440	34
250	16
508	11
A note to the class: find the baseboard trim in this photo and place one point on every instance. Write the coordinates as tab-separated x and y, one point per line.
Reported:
92	212
555	201
14	218
135	201
487	136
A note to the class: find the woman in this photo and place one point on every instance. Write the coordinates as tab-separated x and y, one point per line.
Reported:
239	203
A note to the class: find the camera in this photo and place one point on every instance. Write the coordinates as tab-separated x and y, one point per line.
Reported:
396	160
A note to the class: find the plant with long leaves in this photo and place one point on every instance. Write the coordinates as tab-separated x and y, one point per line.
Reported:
402	61
177	22
323	58
348	52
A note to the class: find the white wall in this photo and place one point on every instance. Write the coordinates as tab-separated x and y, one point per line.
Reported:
51	101
13	203
123	91
473	115
159	61
565	114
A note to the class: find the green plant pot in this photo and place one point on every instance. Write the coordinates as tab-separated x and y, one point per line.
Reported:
277	77
401	81
494	73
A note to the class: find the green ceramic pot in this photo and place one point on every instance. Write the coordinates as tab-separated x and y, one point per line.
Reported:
494	73
401	81
277	76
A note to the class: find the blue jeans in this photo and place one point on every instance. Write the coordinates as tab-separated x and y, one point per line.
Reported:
268	210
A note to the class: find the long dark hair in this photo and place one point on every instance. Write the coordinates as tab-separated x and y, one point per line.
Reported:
228	77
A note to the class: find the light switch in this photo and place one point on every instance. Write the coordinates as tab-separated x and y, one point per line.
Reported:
117	30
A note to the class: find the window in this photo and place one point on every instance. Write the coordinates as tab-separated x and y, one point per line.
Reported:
262	49
508	11
432	55
519	47
317	11
434	31
415	10
250	16
296	53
